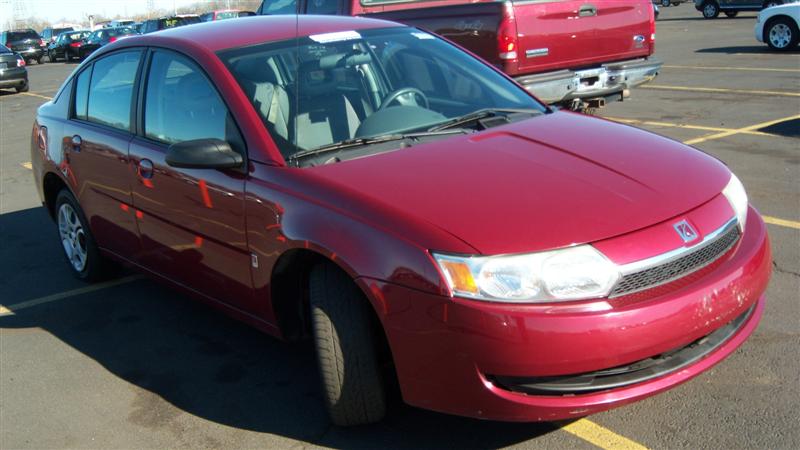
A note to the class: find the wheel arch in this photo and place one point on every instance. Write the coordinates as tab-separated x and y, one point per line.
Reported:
52	184
773	19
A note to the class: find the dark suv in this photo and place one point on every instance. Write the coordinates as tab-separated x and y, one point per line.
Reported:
26	42
712	8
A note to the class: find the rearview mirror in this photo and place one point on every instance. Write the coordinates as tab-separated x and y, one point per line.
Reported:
203	154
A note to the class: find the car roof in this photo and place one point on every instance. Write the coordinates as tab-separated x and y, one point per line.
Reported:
244	31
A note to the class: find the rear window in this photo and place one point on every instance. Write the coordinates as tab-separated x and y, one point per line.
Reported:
57	31
177	22
22	35
121	31
227	15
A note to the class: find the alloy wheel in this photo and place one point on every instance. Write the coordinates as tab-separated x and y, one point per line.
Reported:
710	10
73	237
780	35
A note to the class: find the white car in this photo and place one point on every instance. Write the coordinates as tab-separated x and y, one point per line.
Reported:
779	26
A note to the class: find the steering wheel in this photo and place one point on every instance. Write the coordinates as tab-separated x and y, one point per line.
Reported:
394	96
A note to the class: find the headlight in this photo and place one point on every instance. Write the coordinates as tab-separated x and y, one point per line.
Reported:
570	274
737	197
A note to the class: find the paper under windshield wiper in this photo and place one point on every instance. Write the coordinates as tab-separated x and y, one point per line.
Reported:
359	142
483	114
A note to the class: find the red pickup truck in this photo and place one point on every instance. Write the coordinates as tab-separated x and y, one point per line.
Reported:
575	53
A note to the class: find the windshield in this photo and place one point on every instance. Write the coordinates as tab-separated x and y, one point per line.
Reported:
329	88
76	36
173	22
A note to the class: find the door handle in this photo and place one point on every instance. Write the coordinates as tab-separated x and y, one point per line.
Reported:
76	143
587	10
146	168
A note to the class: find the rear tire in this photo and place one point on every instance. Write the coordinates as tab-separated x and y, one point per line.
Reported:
665	3
710	9
345	339
39	59
731	14
80	249
25	88
781	34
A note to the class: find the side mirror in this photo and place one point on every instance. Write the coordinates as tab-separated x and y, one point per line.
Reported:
203	154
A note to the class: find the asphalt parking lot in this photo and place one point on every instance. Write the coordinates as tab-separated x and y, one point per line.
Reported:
132	364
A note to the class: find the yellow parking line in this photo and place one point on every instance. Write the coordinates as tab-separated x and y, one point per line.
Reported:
746	69
27	165
781	222
601	436
33	94
740	130
720	90
681	125
11	309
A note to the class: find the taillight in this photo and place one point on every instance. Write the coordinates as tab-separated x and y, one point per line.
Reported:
112	39
20	62
652	31
507	34
41	42
75	44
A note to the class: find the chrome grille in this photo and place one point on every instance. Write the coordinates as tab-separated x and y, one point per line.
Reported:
682	264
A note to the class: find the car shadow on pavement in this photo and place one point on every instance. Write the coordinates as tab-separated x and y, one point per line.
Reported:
748	49
202	363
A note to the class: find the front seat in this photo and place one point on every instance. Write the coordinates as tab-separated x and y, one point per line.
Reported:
260	83
324	114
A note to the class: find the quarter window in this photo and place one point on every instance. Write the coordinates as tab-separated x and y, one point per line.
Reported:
182	105
82	94
111	89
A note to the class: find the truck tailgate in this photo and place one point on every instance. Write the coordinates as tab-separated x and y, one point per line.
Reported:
571	34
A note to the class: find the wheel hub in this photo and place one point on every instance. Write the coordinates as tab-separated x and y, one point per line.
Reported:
780	35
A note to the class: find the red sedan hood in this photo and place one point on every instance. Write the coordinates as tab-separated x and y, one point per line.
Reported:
544	183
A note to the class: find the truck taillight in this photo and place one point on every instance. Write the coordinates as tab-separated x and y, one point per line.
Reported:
20	61
507	34
652	31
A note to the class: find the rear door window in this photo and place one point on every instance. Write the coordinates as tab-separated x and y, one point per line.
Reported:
111	89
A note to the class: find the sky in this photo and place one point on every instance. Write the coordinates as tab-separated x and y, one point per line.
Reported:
78	10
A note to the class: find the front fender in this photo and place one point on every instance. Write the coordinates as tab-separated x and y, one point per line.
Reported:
289	209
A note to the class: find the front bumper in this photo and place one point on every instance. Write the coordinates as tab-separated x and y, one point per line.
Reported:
607	80
759	31
13	77
449	353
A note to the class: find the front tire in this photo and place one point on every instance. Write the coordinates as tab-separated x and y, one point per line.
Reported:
346	344
80	249
22	89
665	3
710	10
781	34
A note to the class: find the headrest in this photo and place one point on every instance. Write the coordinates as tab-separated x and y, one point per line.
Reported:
256	69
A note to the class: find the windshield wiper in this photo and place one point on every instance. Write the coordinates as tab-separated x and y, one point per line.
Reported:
485	113
360	142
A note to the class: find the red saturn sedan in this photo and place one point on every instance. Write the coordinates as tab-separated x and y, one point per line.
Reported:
410	208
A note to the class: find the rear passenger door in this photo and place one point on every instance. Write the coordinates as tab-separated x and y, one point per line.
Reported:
95	148
191	221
